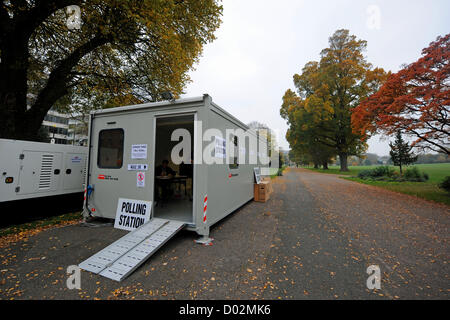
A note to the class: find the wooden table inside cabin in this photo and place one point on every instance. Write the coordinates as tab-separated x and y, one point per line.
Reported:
161	180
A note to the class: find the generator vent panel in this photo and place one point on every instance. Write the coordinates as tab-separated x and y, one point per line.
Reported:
45	176
125	255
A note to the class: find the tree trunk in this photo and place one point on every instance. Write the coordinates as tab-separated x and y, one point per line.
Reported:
325	165
401	172
316	166
13	87
17	121
343	161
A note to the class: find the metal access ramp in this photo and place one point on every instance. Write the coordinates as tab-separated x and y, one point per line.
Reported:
125	255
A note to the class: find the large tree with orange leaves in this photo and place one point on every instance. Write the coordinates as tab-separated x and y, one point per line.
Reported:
319	113
415	100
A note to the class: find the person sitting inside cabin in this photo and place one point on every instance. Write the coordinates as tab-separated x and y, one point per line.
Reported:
164	171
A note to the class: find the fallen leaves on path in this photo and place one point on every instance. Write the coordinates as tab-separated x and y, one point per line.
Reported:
6	240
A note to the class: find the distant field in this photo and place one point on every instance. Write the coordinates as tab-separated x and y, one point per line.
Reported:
427	190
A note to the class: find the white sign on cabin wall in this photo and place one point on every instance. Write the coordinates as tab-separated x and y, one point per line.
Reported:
138	166
139	151
140	179
220	148
132	214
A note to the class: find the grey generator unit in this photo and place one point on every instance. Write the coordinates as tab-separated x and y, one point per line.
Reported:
34	169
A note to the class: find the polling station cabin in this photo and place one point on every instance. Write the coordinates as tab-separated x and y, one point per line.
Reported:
133	178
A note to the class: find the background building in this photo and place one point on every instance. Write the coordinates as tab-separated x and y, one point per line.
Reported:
56	126
64	129
78	132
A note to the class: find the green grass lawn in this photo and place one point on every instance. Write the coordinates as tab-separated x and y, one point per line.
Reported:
427	190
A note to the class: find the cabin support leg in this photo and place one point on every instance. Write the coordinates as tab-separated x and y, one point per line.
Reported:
204	240
204	236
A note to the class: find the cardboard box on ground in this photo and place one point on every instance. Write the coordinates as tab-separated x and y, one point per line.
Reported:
263	190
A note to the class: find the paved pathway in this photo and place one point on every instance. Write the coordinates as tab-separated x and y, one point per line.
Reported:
314	239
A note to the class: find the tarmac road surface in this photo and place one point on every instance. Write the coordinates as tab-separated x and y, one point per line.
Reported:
314	239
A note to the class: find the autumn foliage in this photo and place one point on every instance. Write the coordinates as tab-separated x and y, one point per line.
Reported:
122	52
414	100
319	112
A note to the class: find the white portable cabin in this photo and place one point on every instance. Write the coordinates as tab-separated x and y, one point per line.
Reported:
35	169
127	142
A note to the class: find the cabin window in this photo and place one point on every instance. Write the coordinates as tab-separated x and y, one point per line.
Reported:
110	149
234	164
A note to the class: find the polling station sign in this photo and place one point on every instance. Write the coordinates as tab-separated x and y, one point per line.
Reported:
132	214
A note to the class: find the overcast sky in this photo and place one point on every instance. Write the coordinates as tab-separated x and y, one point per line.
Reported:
262	44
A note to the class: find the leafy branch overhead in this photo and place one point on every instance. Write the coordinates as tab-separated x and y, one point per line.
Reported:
124	52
